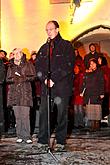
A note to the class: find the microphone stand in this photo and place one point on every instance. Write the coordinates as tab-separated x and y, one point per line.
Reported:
49	99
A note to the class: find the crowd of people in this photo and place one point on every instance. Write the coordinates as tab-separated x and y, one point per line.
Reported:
54	80
91	89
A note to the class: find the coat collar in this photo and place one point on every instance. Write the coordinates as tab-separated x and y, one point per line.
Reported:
57	38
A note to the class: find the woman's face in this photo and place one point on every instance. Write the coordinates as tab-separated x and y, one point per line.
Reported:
76	52
11	55
18	54
93	65
34	56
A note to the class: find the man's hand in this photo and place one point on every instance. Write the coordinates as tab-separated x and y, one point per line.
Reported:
101	96
49	83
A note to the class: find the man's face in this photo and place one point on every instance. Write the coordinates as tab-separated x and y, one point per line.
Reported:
92	48
51	30
2	55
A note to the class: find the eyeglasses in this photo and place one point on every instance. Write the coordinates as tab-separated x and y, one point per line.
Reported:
50	29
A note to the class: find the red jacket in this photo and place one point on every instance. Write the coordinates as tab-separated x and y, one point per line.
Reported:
77	83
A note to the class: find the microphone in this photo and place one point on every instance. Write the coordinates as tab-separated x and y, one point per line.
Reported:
39	74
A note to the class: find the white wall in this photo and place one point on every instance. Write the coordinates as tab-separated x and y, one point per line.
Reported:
23	21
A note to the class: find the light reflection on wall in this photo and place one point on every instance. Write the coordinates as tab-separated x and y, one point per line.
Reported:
88	15
17	7
23	21
86	8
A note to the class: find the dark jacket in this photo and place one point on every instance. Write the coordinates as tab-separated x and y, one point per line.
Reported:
36	85
2	78
88	57
106	71
93	84
61	67
2	72
19	88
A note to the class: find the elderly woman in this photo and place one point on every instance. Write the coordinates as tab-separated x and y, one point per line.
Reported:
19	76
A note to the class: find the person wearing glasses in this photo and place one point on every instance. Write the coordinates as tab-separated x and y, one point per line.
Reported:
62	60
20	74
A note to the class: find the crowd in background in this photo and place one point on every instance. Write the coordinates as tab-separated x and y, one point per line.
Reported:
91	89
89	102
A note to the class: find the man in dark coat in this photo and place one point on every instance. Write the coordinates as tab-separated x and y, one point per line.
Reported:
92	54
58	76
2	78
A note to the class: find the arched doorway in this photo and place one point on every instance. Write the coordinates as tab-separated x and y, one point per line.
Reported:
100	35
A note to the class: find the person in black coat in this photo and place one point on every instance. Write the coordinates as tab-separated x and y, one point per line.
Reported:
103	64
92	91
2	78
91	55
36	90
60	82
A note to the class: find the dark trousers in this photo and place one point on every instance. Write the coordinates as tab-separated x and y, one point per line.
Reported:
105	105
1	112
78	116
61	127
